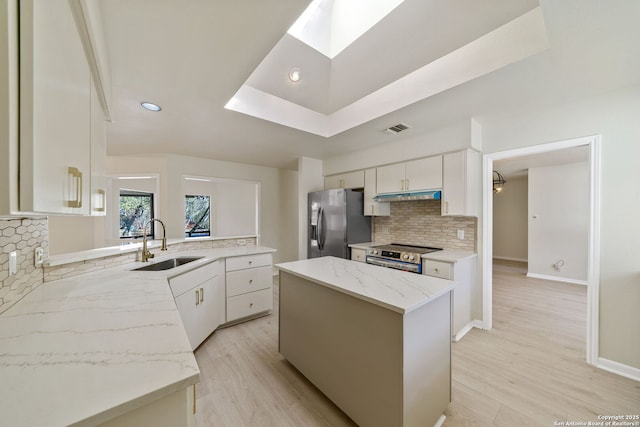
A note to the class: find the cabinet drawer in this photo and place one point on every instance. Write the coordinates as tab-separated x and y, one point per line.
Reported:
248	280
438	269
358	254
248	261
249	304
182	283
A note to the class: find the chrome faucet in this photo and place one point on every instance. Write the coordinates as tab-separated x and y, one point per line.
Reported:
146	254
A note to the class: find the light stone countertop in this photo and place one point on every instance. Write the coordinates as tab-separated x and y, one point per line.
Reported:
448	255
92	347
396	290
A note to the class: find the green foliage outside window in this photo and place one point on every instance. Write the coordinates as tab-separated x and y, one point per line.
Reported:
197	216
135	213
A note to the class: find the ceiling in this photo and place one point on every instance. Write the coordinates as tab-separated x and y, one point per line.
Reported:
192	56
518	167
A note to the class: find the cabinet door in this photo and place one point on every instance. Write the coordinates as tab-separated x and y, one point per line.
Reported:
372	208
424	174
345	180
211	309
188	304
54	111
453	185
98	157
390	179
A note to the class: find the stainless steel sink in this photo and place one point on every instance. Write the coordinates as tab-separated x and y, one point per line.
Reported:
168	264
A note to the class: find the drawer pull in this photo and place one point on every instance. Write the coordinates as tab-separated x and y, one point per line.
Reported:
250	304
436	269
197	297
250	280
201	294
250	262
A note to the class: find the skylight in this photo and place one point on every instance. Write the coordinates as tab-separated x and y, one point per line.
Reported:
330	26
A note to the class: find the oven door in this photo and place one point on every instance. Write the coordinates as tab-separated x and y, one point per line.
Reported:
398	265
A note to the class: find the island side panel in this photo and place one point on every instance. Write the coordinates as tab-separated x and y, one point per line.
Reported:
427	362
350	349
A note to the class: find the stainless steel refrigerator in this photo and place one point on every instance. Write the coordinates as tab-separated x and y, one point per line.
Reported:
336	219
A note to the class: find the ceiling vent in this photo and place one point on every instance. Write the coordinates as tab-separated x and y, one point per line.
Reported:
395	129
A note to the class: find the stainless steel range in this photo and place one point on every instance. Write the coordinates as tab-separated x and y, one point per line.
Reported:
398	256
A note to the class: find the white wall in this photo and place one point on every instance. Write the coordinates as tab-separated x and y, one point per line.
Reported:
451	138
615	117
309	179
559	221
289	230
510	221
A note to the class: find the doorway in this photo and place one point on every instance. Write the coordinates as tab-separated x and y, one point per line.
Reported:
593	258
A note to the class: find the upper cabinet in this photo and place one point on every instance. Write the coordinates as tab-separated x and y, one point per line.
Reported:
345	180
372	208
55	105
55	147
461	183
416	175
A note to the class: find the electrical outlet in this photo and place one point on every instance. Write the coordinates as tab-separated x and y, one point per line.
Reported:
13	263
38	257
461	234
242	242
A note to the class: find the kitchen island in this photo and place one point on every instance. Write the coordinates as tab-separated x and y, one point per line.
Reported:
376	341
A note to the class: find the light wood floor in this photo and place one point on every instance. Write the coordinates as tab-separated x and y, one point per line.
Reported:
528	371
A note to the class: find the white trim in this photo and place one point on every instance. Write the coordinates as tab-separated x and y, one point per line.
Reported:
618	368
593	275
557	279
508	258
473	324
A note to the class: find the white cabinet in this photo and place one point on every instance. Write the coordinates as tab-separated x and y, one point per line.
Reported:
249	286
416	175
48	115
55	103
462	273
461	186
344	180
98	157
358	254
372	208
200	298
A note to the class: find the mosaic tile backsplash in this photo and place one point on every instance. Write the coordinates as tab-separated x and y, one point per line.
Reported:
421	223
23	236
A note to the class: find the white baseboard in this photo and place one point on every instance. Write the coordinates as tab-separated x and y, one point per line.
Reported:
440	421
508	258
469	326
557	279
457	337
618	368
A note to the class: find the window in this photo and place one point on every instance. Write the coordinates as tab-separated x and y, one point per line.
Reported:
136	208
197	216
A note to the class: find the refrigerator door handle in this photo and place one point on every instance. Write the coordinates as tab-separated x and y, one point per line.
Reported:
320	229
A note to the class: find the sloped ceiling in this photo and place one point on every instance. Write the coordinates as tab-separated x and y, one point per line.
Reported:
192	56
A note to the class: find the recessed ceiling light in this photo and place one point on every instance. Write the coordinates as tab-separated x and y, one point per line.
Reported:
150	106
294	75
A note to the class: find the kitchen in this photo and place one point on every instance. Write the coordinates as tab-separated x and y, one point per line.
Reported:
296	163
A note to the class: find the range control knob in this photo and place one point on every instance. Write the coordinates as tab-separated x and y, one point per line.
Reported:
374	251
405	256
411	258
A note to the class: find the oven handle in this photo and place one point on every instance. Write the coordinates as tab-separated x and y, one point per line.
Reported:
398	265
320	228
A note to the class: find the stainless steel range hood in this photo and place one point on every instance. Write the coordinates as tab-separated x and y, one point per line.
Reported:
414	195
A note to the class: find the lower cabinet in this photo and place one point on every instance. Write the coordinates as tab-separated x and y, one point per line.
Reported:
358	254
200	298
249	286
462	273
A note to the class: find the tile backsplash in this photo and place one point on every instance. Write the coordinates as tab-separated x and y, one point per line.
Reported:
22	235
419	222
